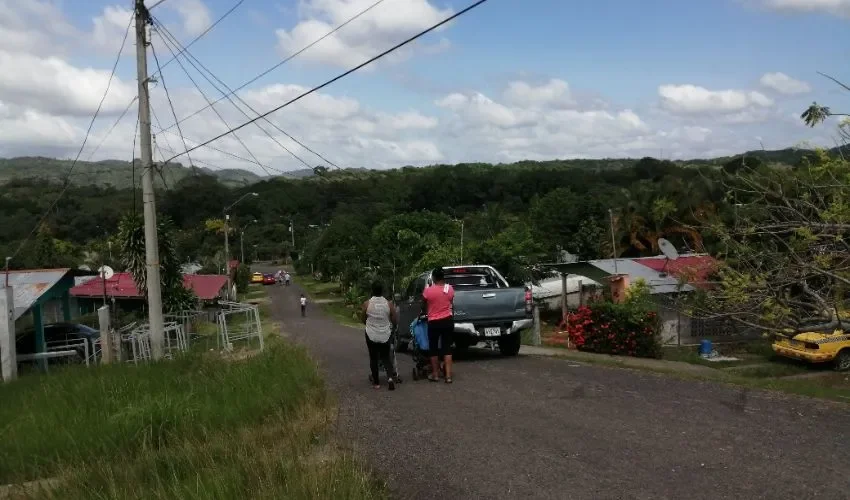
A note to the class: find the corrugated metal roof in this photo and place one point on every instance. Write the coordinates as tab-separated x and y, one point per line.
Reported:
657	283
30	285
122	285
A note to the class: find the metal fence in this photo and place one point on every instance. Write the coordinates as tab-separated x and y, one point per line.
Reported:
239	322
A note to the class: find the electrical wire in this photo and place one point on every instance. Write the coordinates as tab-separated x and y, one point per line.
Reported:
201	91
189	57
85	140
170	104
286	60
108	132
343	75
228	153
213	25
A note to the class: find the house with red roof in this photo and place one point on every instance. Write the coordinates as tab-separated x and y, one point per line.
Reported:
694	269
121	288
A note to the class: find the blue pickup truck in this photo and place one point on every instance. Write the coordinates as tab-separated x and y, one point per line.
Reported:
486	308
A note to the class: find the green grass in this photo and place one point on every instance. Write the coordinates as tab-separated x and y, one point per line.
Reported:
328	297
746	352
196	427
824	385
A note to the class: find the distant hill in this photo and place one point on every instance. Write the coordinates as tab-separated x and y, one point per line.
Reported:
115	173
119	174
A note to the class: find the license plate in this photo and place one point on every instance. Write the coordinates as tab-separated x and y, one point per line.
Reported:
492	332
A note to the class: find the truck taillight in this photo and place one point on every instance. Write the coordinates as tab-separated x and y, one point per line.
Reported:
528	301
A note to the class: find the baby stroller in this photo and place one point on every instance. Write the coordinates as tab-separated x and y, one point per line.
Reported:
421	360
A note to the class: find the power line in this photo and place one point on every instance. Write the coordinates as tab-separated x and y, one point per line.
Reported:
286	60
85	140
228	153
213	25
170	104
155	5
108	132
346	73
189	57
198	87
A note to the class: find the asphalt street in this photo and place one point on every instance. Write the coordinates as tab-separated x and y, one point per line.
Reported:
535	427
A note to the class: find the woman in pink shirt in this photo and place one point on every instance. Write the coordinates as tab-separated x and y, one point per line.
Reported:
437	302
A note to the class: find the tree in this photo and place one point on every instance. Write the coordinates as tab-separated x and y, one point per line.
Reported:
175	297
787	253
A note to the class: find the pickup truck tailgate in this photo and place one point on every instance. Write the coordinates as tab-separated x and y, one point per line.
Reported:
489	304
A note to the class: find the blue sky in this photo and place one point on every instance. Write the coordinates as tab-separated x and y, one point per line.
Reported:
510	80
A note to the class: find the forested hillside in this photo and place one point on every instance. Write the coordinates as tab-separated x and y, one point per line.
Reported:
512	215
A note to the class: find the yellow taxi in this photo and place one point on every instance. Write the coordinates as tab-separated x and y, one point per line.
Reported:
257	278
815	347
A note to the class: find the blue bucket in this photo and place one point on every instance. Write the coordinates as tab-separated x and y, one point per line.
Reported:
705	347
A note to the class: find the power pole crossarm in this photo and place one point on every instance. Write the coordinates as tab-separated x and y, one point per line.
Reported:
149	202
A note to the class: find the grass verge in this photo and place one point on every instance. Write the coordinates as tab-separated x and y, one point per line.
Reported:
328	297
827	385
196	427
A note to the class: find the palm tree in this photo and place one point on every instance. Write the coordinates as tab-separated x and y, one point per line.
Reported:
815	114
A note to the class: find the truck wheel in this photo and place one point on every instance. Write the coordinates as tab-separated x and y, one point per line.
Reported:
509	346
842	361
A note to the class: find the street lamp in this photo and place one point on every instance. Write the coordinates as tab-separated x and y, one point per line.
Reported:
242	239
226	238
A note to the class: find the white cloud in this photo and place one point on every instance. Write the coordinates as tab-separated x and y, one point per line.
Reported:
374	32
834	7
554	93
695	100
53	86
194	13
540	118
784	84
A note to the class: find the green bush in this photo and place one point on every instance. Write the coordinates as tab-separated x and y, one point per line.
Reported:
629	329
243	278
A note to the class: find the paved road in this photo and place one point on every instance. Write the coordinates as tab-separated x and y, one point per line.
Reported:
531	427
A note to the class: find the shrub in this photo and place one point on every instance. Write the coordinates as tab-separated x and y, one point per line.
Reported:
243	278
629	329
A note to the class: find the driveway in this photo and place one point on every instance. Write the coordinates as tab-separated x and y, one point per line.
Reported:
534	427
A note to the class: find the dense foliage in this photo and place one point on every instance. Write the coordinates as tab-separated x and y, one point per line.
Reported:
357	225
630	328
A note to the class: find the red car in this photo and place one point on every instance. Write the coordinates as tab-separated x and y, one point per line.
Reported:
269	279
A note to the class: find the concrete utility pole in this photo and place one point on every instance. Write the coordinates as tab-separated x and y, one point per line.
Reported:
149	203
227	250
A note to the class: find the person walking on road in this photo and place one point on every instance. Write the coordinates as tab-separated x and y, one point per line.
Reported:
303	305
287	278
437	303
380	317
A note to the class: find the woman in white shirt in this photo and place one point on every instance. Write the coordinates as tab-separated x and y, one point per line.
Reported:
380	317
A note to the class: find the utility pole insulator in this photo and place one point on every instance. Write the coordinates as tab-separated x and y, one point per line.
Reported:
153	279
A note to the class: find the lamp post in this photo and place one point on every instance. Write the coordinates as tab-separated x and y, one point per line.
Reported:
226	238
242	239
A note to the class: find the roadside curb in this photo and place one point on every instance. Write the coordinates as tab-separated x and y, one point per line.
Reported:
621	361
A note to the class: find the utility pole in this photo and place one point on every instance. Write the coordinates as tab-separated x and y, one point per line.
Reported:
148	201
227	251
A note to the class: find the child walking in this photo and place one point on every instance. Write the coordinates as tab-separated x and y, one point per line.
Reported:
303	305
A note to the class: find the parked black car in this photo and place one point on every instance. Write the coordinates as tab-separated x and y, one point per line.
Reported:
56	335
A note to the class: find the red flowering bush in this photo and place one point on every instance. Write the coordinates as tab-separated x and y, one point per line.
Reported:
628	329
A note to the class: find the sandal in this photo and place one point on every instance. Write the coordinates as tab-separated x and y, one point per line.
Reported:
448	380
432	378
391	384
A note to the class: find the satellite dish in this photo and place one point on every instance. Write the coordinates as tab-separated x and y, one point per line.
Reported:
668	249
84	268
105	272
